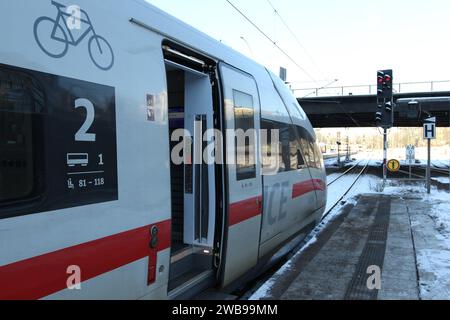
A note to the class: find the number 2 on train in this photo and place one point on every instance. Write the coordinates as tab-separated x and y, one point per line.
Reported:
82	135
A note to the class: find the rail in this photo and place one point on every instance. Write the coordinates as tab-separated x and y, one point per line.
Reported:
345	173
361	173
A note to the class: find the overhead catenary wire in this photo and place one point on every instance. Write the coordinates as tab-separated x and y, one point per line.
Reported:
272	41
297	40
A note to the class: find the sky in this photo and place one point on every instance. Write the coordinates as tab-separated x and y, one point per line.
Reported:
348	40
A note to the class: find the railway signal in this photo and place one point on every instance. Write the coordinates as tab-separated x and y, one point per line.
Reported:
385	99
384	116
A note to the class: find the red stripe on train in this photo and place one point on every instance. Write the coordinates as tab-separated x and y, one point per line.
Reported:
245	210
44	275
300	189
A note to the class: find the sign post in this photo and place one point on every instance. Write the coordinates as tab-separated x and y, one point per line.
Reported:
410	157
429	133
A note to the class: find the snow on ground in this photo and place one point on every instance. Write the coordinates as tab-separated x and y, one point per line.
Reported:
436	264
433	238
434	259
366	184
440	164
444	180
332	161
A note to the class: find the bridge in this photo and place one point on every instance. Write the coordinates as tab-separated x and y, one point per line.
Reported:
355	106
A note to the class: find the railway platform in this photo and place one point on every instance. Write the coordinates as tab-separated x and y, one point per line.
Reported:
397	236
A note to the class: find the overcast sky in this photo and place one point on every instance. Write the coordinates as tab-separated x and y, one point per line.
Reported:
347	40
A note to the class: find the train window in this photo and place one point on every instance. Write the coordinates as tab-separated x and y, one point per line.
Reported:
311	151
269	158
289	154
285	147
308	147
320	164
306	150
21	103
244	117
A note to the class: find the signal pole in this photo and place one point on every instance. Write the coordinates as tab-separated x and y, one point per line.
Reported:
429	168
429	133
385	148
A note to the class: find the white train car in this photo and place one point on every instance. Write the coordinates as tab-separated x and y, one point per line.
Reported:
91	205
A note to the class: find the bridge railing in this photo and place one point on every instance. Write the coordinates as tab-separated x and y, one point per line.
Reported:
406	87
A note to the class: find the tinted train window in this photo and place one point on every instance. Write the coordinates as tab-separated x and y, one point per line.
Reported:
57	142
21	107
289	156
244	117
310	149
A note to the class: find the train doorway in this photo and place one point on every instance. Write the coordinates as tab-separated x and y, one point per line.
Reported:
193	180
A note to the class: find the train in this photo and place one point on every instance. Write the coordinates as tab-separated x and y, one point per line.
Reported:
93	98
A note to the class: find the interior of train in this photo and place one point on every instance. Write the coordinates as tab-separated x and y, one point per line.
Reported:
192	181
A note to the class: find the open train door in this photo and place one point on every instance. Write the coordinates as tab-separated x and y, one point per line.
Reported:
244	179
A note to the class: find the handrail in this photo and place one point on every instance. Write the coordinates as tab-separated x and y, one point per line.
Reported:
428	86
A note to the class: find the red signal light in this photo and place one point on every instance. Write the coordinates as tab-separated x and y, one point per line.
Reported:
388	78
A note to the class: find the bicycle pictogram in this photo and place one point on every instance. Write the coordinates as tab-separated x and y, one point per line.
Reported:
54	37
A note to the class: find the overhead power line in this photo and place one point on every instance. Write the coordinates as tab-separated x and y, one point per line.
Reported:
271	40
283	21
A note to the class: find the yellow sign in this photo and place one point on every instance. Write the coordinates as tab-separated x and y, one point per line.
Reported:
393	165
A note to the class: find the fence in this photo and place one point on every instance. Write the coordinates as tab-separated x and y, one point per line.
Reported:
407	87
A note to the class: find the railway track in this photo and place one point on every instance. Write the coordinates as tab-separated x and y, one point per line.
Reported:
359	173
345	173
